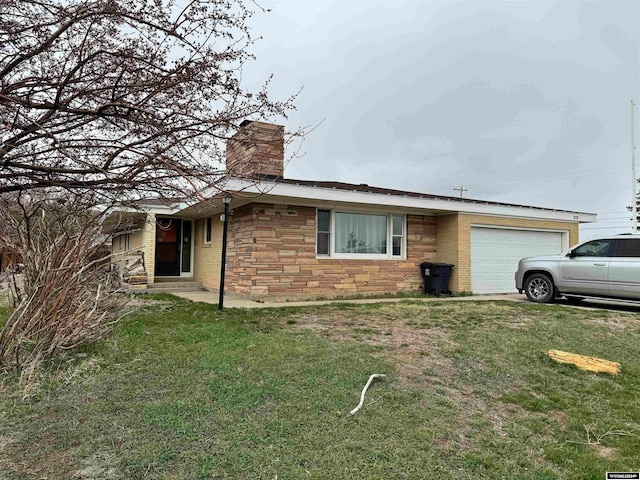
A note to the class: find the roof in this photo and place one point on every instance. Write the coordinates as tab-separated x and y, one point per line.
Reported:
326	194
363	187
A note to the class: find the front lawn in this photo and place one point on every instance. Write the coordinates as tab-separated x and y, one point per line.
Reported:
182	391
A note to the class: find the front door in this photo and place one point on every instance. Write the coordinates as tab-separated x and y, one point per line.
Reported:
168	235
173	247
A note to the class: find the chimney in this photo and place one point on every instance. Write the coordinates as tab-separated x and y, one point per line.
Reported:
256	151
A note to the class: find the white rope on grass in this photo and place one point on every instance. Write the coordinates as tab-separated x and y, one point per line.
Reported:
364	390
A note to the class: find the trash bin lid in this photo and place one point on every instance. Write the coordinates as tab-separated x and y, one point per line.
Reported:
435	264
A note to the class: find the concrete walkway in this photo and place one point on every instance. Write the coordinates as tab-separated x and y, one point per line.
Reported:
234	302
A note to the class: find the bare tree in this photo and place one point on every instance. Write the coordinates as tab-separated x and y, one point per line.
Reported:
125	98
65	293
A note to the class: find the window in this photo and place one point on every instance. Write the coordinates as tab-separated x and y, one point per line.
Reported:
628	248
123	242
397	235
207	230
596	248
360	235
323	232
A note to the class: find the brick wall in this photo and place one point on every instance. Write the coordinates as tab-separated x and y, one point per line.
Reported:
149	246
136	239
119	243
207	257
271	253
454	240
256	150
447	246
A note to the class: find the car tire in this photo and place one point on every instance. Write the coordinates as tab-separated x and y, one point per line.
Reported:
539	288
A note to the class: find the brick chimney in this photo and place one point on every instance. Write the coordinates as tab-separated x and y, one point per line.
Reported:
256	151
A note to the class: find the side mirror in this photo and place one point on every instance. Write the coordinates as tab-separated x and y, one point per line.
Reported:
571	254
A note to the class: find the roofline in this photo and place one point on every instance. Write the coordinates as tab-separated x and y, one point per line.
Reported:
407	200
306	191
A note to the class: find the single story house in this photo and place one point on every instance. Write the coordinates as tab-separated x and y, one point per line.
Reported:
301	238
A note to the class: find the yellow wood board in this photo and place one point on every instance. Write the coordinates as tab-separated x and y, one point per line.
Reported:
583	362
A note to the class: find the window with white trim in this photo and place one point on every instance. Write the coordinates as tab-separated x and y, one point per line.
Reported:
207	230
323	233
360	235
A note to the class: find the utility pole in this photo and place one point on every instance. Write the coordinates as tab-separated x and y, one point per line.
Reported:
634	181
460	189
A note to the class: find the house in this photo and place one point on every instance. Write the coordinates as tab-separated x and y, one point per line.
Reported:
300	238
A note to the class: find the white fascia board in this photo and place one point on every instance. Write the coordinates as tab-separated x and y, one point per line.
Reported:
305	192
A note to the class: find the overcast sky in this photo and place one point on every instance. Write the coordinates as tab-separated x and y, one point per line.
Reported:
522	101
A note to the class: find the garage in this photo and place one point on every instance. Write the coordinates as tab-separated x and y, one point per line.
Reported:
495	253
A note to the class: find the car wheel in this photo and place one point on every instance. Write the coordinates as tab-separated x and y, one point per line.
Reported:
539	288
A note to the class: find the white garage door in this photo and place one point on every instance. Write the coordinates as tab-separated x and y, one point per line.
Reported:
495	253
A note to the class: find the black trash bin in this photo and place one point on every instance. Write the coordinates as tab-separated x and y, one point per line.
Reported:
436	277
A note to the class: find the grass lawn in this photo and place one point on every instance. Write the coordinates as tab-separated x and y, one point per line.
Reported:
184	392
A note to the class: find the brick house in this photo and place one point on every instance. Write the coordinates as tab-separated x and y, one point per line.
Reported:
298	238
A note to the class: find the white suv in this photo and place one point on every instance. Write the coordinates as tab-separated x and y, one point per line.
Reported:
608	268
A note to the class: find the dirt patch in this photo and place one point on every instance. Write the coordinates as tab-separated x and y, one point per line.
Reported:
415	345
561	417
604	452
39	461
615	322
100	466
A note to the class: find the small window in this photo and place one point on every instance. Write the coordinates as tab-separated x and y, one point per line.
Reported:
397	235
323	232
628	248
595	248
207	230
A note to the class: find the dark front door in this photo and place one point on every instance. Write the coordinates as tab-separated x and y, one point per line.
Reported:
168	240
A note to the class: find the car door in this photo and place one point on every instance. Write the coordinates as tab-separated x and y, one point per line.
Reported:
585	269
624	269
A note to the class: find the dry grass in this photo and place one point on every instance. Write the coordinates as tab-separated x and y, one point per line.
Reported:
416	337
182	391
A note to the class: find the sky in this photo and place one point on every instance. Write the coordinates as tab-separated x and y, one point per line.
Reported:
523	102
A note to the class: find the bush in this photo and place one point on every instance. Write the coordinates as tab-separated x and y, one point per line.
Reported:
65	294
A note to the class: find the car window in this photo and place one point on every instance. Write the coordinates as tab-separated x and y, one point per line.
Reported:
628	247
595	248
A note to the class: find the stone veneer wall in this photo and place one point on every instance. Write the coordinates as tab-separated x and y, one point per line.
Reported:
271	253
256	150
